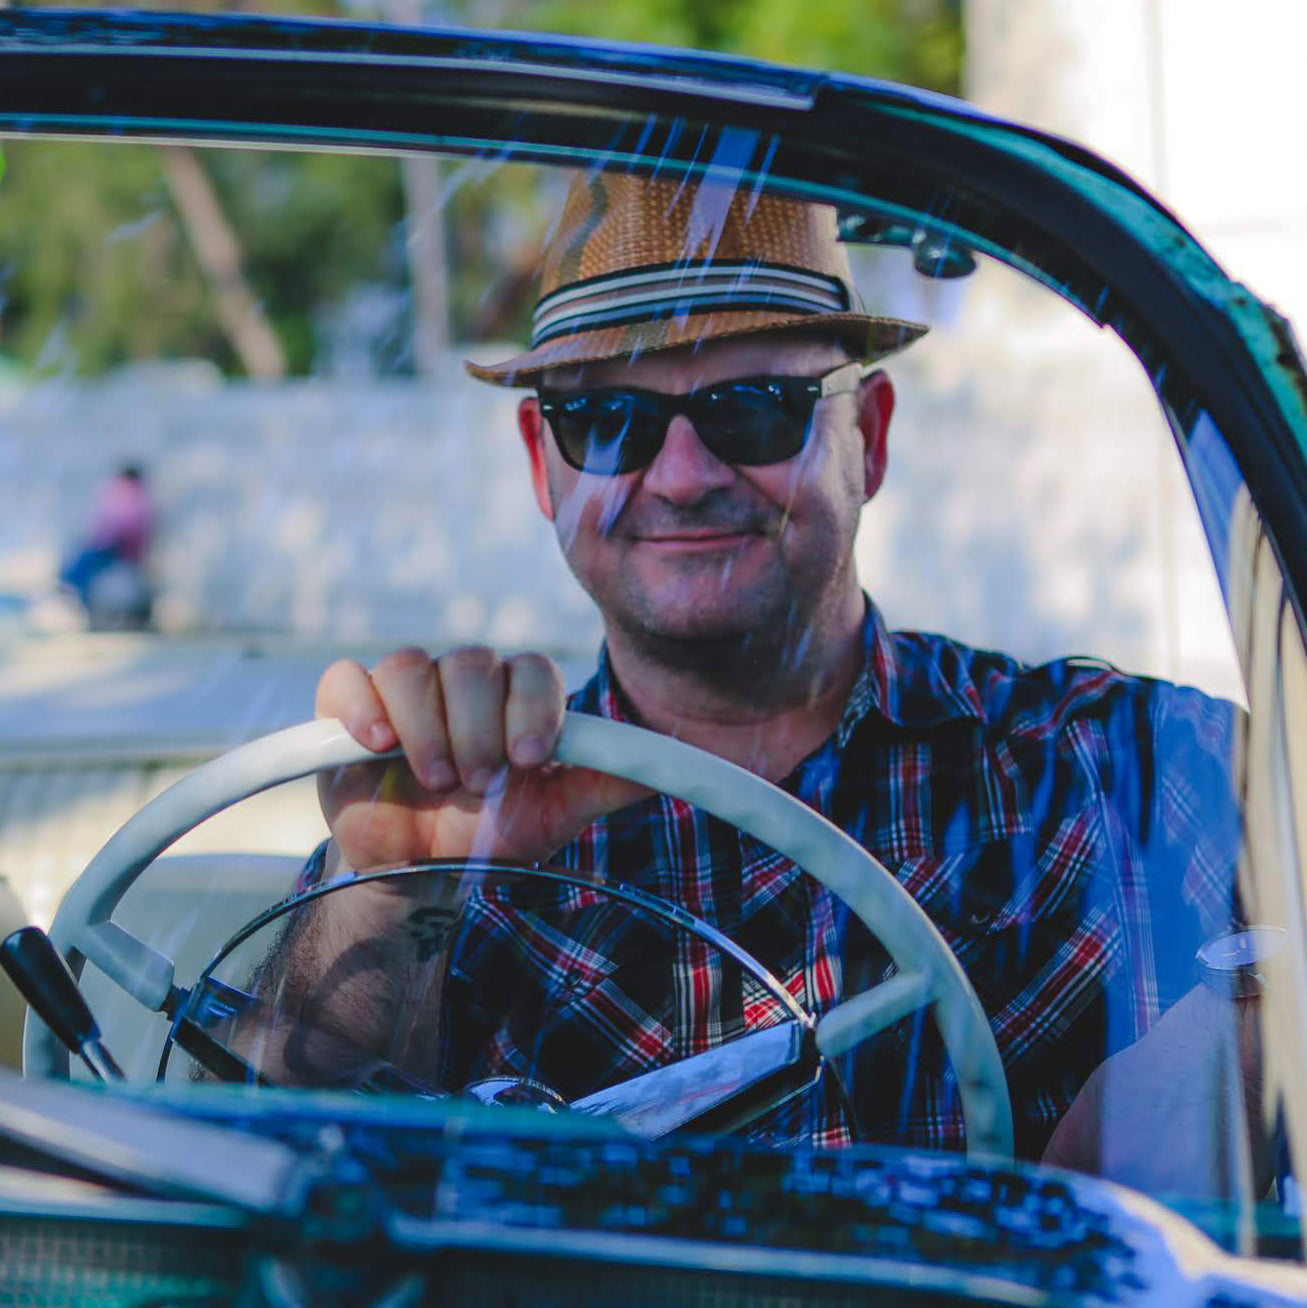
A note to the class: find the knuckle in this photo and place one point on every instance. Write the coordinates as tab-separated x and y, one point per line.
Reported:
536	696
402	662
538	669
471	661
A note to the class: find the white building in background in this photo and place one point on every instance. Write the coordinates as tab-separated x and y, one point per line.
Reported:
1201	103
1201	100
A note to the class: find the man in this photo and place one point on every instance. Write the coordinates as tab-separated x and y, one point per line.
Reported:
703	430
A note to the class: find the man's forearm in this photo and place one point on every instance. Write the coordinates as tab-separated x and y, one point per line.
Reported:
344	965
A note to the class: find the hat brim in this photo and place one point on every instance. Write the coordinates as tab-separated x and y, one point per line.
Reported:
868	338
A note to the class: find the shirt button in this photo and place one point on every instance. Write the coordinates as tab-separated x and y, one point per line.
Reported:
980	917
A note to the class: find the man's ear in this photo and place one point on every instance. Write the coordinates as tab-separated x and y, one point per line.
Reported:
531	425
875	409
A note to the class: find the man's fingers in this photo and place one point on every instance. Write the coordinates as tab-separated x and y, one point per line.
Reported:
408	682
533	713
473	684
345	691
607	793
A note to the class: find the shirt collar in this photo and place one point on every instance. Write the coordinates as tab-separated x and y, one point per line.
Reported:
909	679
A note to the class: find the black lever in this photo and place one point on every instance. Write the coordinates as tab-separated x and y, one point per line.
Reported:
38	970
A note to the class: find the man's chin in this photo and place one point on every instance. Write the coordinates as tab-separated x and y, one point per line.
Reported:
692	625
695	604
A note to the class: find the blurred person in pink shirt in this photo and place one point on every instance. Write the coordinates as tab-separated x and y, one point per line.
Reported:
107	571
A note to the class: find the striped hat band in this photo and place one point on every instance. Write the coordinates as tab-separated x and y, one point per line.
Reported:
657	291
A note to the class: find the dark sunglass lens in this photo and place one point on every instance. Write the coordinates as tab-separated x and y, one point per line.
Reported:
755	422
605	432
590	433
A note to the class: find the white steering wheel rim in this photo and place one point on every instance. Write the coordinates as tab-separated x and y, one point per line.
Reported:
928	973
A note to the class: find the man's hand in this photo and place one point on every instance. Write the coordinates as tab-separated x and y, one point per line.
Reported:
478	734
1179	1111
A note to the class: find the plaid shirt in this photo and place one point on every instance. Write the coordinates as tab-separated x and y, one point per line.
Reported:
1069	829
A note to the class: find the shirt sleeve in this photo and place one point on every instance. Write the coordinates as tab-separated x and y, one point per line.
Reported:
1193	833
1197	804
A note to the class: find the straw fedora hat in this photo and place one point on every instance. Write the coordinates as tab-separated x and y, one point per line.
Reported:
640	264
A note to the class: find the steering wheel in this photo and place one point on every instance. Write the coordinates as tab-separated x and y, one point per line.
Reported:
928	975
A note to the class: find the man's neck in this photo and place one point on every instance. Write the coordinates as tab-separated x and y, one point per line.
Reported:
768	718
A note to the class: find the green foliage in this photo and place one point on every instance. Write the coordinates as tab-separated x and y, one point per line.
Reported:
654	22
876	38
99	270
916	41
85	234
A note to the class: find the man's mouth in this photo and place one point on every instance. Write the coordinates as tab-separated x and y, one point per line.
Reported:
706	540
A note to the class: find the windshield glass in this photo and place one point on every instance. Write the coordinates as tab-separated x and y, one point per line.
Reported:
443	447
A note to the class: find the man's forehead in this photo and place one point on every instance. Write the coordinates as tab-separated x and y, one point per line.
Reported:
690	367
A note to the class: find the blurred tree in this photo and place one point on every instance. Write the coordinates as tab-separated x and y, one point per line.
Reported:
313	226
98	268
217	250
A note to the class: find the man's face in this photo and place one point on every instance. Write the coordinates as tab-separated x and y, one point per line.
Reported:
694	549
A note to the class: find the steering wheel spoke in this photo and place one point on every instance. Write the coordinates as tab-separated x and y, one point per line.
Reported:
720	1089
858	1019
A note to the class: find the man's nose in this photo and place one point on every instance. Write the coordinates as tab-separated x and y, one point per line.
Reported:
685	469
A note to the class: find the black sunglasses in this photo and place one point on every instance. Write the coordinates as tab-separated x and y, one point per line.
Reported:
750	421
